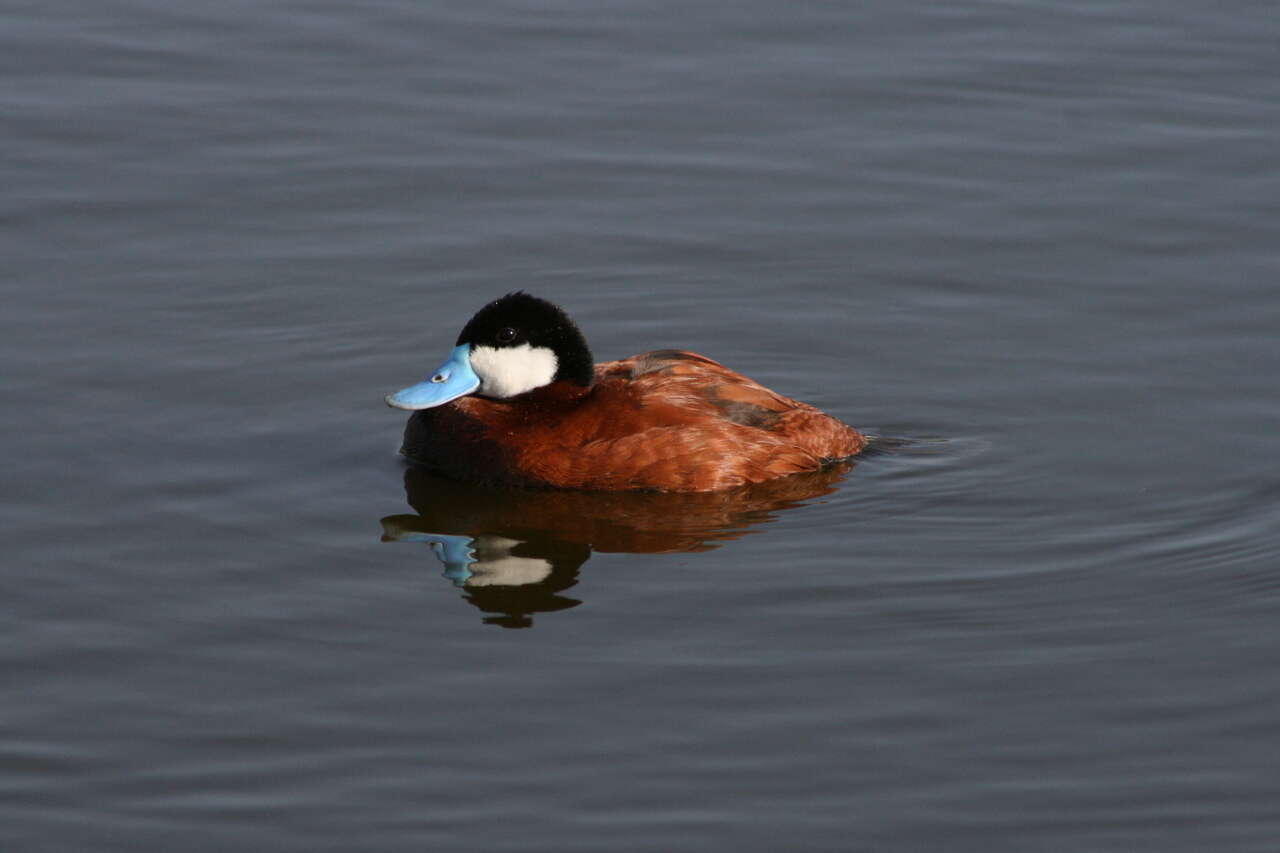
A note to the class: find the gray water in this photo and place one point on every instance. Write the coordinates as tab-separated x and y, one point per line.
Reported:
1035	241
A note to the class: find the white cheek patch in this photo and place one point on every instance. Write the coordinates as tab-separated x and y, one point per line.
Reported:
508	371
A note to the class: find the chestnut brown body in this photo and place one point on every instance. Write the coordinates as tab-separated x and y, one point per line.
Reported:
662	421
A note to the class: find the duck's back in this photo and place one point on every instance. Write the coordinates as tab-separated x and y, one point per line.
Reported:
667	420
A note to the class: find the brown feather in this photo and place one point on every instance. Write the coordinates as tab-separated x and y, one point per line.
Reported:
666	421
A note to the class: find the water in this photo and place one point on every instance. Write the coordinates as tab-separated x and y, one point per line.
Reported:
1036	240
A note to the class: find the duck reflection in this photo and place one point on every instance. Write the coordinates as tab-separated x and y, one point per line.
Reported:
513	551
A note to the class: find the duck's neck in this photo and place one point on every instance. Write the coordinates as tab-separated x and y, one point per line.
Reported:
576	365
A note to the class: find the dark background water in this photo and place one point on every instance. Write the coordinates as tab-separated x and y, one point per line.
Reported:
1041	238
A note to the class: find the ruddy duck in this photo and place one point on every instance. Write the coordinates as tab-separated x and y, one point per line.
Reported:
520	402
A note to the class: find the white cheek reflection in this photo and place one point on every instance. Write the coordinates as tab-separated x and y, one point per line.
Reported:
508	371
495	565
509	571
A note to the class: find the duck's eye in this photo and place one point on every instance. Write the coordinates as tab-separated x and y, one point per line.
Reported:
507	335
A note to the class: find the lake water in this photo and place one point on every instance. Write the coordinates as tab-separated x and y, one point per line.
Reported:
1036	243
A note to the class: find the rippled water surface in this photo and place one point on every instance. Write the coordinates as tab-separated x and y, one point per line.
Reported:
1032	244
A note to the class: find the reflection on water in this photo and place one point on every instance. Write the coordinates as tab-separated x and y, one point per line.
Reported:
513	551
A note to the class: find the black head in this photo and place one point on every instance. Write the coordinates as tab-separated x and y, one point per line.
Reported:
519	325
511	346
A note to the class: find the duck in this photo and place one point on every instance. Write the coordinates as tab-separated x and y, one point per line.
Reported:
521	402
